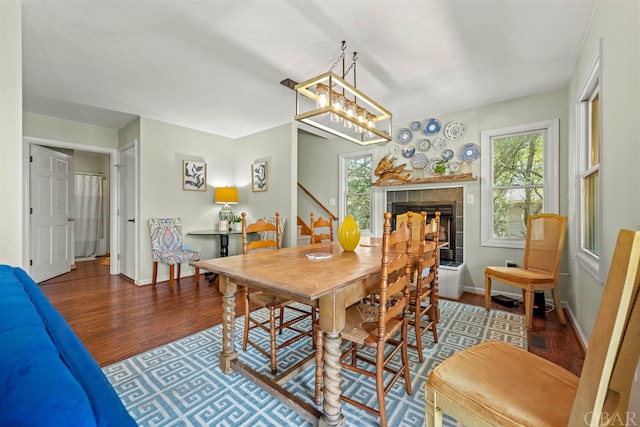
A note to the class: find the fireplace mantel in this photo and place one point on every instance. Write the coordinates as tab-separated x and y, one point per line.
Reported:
434	179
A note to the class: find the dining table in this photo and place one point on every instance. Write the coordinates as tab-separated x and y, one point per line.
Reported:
320	275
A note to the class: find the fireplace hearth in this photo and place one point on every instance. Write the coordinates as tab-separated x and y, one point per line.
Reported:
449	202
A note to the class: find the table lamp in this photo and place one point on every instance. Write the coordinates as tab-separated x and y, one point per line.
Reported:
226	196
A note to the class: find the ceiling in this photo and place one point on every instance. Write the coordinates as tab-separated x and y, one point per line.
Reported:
216	65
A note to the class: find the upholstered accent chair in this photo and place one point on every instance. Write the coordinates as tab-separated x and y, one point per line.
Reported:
167	248
497	384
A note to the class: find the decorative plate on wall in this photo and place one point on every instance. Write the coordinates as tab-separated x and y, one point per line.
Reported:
454	167
415	126
419	161
455	130
395	149
408	151
424	144
439	143
431	127
447	154
469	152
404	136
432	166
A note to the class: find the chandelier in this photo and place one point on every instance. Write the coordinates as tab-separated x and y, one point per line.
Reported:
328	102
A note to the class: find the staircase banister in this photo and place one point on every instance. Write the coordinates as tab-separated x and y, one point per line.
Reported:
331	214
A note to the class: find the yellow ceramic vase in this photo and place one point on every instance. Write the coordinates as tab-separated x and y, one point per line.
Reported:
349	234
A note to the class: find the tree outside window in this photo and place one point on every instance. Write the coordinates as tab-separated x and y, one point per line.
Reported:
358	190
520	170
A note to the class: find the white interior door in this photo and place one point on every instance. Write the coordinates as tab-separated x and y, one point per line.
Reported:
127	211
50	218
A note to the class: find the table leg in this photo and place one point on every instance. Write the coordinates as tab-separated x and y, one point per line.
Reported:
228	290
224	245
332	404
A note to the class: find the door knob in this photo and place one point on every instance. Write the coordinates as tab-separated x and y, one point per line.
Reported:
71	219
131	220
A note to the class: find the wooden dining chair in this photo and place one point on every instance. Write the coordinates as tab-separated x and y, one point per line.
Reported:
495	383
326	229
378	326
540	266
423	295
270	238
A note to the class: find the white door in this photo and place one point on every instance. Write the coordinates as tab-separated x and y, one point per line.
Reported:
50	218
127	211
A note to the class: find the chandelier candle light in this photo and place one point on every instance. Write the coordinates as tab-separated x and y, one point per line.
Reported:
330	103
226	196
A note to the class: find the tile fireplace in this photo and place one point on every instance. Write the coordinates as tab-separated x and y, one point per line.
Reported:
449	201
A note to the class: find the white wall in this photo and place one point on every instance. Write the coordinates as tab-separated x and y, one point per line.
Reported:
278	147
46	127
318	169
11	250
163	147
615	24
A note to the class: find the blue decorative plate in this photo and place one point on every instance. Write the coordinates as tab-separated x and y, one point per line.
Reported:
439	143
447	154
469	152
432	166
415	126
431	127
408	151
419	161
404	136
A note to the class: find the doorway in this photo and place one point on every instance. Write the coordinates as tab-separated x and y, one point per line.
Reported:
111	227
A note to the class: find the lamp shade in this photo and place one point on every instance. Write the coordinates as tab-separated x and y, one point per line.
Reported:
228	195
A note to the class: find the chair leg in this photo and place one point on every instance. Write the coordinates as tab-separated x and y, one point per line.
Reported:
434	329
178	277
559	309
245	339
155	273
487	292
171	278
418	315
382	408
433	413
404	351
197	276
272	339
528	309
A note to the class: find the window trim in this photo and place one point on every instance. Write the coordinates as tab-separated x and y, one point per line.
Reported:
342	188
590	85
551	182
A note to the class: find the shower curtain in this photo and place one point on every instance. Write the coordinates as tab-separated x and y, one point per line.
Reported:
88	223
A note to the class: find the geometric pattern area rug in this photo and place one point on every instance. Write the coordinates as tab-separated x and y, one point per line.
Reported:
180	383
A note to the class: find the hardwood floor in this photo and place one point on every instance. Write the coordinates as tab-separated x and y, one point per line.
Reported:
116	319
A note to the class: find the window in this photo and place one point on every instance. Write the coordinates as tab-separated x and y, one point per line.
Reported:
520	167
356	170
588	179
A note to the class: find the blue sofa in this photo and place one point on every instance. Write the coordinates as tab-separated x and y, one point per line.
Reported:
47	376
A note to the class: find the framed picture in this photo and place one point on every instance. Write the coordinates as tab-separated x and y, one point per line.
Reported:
259	176
194	176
